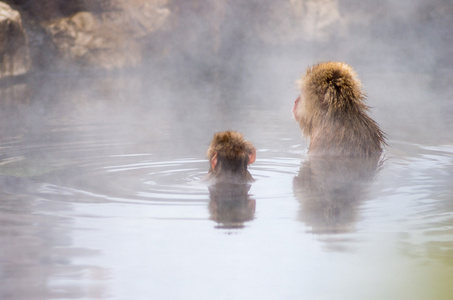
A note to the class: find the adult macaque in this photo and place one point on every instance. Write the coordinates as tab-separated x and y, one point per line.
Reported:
331	112
345	147
229	156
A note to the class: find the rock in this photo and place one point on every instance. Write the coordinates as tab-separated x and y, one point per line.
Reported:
14	53
108	39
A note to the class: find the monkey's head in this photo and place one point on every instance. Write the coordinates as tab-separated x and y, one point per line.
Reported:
331	111
229	155
327	89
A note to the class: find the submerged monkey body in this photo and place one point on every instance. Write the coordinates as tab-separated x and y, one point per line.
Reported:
331	111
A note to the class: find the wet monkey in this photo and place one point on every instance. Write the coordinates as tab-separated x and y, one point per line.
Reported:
229	156
345	147
332	113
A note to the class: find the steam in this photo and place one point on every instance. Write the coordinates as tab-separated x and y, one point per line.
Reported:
219	66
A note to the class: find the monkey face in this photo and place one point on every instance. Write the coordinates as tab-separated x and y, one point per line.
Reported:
298	109
301	113
300	105
296	103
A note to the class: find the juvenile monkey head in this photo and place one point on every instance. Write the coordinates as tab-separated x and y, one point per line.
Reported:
331	111
229	155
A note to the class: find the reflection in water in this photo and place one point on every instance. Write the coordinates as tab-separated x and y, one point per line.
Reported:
12	99
331	188
100	198
37	257
230	204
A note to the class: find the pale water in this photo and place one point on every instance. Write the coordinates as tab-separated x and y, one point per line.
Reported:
101	196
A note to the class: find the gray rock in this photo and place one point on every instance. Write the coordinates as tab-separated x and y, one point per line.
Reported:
108	39
14	52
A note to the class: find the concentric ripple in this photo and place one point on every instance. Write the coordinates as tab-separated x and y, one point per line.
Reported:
141	178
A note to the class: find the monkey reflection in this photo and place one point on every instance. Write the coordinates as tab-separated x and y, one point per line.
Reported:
229	156
331	188
230	204
344	151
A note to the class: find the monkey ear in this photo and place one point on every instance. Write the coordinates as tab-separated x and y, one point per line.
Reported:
213	161
252	157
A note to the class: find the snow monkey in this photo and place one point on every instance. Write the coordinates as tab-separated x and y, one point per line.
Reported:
331	112
229	156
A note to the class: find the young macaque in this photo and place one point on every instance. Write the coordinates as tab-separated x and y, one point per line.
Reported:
331	112
229	156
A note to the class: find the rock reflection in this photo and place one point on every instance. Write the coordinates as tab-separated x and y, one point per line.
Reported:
230	205
331	188
13	115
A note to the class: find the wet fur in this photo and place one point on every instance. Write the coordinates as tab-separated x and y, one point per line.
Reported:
333	114
232	152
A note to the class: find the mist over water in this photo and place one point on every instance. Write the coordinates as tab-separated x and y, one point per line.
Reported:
101	191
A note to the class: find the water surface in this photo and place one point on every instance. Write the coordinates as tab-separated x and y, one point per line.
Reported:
101	196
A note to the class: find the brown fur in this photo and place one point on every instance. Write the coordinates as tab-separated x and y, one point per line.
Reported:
229	156
331	111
